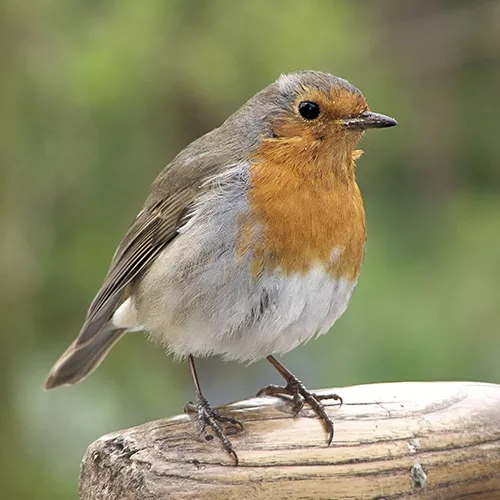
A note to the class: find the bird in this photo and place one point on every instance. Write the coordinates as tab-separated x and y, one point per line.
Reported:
250	243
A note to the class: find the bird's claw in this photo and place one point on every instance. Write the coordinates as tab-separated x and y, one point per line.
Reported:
208	416
299	396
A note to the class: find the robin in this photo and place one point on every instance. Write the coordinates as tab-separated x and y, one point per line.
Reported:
249	244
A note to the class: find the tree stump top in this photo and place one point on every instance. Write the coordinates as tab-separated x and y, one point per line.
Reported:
403	440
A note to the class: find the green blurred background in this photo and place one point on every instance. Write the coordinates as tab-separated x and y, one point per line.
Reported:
97	96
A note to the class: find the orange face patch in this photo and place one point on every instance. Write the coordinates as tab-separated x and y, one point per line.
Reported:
323	144
338	104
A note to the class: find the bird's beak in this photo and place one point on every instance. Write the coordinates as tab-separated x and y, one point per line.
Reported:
369	119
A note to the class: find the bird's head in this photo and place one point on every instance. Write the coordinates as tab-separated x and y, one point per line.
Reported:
315	118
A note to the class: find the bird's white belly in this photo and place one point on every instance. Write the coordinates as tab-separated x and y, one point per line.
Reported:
303	306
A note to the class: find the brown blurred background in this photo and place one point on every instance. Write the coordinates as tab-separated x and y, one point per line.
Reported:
97	96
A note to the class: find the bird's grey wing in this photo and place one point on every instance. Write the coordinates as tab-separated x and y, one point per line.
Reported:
153	228
175	189
151	231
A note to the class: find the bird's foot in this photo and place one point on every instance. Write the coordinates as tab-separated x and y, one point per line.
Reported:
300	395
208	416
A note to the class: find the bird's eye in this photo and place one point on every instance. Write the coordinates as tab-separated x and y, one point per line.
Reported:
309	110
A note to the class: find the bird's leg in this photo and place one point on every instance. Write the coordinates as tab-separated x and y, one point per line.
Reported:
300	395
206	415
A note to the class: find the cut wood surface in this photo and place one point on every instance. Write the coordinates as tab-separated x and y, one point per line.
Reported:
432	440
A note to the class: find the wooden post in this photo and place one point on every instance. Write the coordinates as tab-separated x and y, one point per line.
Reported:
427	440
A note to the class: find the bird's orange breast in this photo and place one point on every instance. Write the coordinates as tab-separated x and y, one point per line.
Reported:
307	212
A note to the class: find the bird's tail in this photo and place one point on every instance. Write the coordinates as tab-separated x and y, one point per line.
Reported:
80	360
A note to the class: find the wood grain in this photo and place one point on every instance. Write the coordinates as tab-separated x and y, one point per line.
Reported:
428	440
